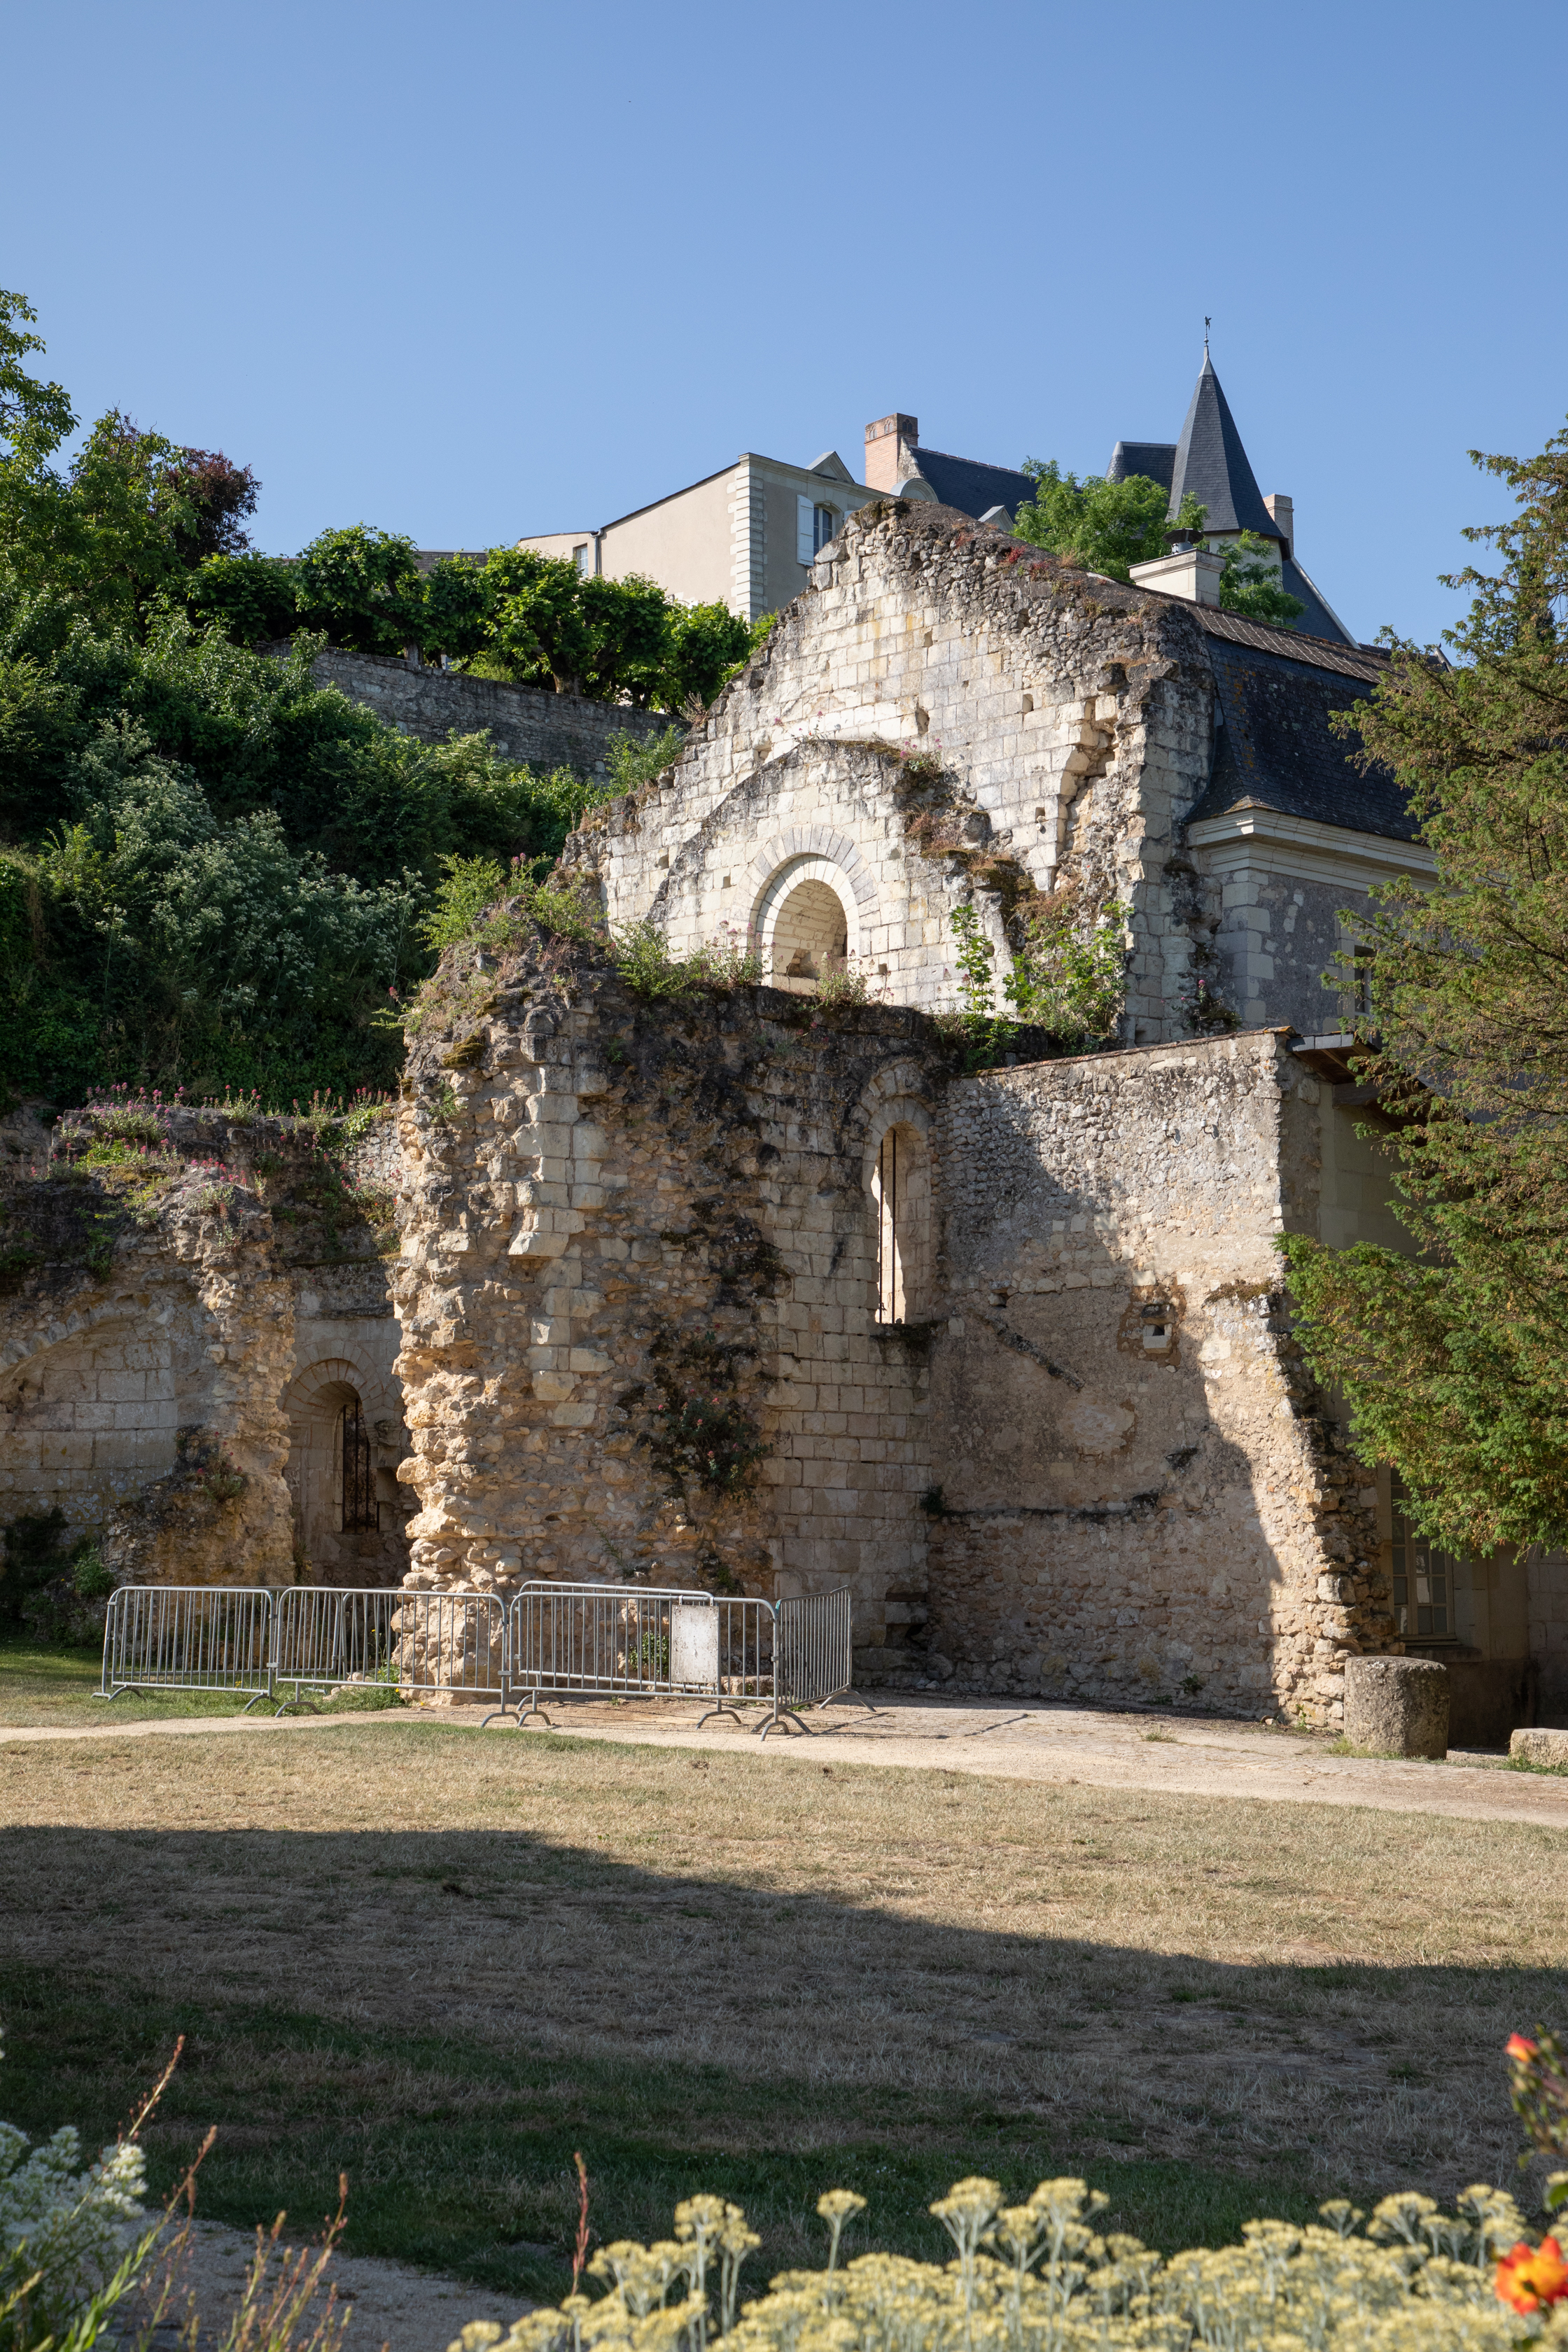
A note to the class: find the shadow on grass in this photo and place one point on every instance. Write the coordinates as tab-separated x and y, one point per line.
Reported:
467	2168
446	2014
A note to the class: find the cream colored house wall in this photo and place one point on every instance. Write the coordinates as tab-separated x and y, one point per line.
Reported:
683	542
564	543
730	539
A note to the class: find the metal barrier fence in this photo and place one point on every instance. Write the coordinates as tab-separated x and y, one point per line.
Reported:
196	1637
619	1641
591	1640
426	1642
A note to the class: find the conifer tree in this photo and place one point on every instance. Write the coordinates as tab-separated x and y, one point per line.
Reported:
1453	1360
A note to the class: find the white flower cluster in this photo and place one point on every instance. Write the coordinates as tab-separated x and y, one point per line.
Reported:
1039	2278
62	2221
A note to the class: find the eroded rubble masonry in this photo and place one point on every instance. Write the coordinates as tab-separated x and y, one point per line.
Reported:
1088	1460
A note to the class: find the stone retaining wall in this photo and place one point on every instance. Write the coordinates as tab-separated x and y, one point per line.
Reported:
548	731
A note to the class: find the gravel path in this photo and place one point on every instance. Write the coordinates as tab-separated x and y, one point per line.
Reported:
1093	1748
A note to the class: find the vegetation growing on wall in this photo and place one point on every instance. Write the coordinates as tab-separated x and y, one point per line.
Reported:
534	620
1105	526
212	871
1454	1362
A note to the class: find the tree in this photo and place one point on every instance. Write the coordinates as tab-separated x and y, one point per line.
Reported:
364	587
1455	1360
1105	526
1249	583
35	418
707	644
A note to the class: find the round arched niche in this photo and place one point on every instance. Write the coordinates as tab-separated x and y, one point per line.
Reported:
806	923
344	1434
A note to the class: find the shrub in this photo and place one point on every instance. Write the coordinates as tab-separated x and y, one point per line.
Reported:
62	2234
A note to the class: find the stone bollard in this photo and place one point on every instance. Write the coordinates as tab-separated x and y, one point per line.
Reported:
1397	1706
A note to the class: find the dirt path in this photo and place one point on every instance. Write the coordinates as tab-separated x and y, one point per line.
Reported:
407	2310
1176	1756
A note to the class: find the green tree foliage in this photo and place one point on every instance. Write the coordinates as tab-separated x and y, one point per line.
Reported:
1455	1360
212	870
1249	583
1105	526
534	620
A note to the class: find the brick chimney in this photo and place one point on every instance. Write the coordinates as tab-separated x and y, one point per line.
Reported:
1283	510
887	443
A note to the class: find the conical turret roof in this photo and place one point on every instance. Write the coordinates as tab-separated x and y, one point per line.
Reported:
1212	464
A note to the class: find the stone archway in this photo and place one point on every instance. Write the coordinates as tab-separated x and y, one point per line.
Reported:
806	923
344	1443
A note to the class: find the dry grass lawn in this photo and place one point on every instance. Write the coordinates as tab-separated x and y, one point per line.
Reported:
446	1960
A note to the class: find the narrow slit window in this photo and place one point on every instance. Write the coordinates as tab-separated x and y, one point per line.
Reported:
902	1191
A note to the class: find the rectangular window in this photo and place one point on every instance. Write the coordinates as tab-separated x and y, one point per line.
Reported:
824	526
1422	1582
580	557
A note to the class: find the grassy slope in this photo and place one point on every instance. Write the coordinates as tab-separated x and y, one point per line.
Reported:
442	1962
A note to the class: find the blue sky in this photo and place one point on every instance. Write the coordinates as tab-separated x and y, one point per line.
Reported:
486	269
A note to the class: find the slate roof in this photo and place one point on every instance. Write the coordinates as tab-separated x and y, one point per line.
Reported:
1212	464
1274	747
1155	460
972	487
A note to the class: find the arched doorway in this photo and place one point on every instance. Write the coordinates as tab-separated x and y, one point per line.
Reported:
805	925
344	1449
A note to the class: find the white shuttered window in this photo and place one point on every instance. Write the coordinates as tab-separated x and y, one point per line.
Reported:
804	531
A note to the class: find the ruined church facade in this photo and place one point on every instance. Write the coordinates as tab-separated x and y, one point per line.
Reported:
1008	1346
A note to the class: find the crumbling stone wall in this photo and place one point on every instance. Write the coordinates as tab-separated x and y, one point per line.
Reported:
1086	1458
637	1232
1054	730
172	1283
1141	1493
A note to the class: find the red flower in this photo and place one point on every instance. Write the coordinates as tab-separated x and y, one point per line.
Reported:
1533	2276
1518	2047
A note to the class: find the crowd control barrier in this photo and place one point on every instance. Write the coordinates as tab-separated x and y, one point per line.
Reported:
425	1643
558	1640
609	1641
194	1637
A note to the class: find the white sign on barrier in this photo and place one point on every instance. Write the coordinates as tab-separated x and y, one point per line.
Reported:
694	1645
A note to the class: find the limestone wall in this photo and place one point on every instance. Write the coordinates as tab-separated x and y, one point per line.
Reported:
1054	728
1139	1493
1013	1344
188	1304
617	1214
548	731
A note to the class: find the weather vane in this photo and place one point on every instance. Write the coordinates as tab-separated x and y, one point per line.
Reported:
1208	323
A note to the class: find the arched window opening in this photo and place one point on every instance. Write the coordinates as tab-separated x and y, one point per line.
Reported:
357	1477
902	1191
811	935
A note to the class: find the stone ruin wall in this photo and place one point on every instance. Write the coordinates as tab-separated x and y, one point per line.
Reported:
612	1206
1140	1493
177	1342
1061	727
610	1201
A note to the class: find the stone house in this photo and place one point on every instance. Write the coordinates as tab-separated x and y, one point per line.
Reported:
748	535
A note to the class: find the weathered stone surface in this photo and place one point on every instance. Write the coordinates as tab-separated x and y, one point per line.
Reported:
1540	1744
1397	1706
179	1335
1087	1456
